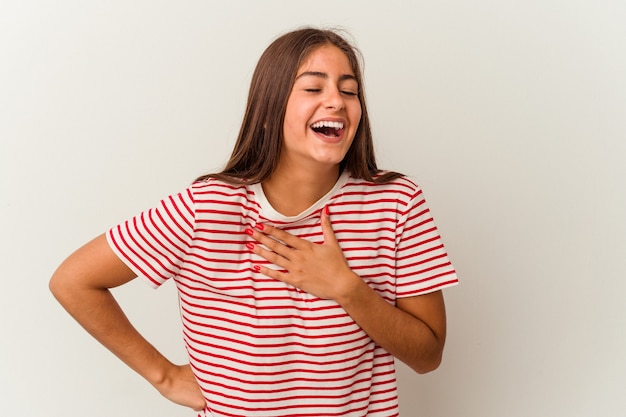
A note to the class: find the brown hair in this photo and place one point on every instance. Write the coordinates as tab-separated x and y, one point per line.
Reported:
258	147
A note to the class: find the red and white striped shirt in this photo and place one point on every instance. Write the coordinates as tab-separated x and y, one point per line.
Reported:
258	346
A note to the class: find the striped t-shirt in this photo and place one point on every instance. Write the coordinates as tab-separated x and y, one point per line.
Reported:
258	346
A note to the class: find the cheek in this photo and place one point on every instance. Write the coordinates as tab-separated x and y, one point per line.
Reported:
296	117
293	129
356	118
356	112
290	123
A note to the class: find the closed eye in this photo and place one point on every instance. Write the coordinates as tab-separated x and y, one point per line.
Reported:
345	92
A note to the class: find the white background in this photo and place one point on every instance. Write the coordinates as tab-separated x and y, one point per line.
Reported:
510	114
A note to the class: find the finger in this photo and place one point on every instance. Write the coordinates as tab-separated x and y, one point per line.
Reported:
327	228
272	273
269	255
286	238
269	242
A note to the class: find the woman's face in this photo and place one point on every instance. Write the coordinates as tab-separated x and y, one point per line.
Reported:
323	110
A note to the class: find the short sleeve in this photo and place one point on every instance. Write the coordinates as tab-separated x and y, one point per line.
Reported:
154	243
422	263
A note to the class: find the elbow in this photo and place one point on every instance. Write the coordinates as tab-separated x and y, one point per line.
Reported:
66	291
61	286
427	365
56	287
427	361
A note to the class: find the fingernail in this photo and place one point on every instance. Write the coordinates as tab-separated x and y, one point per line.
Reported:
256	268
249	232
260	226
249	246
326	210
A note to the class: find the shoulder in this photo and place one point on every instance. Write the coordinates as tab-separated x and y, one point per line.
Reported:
218	187
401	184
217	194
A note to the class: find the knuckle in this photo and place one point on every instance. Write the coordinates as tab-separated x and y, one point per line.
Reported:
271	256
272	244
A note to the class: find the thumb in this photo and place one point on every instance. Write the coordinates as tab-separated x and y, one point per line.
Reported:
327	227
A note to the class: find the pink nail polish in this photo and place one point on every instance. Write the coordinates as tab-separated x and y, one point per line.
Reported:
256	268
248	232
326	210
249	246
260	226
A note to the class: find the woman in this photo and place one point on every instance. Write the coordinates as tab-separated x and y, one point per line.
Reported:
302	269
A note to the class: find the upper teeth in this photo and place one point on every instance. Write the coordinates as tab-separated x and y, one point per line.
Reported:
327	123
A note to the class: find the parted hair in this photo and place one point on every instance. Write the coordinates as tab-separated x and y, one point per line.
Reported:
259	143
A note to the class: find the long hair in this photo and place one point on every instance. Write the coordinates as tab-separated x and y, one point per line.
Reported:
258	147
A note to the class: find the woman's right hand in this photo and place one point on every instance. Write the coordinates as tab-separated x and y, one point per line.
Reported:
180	386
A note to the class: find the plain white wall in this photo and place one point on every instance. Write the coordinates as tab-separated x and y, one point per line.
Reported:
511	115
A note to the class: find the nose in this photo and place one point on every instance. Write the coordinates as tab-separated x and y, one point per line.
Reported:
334	99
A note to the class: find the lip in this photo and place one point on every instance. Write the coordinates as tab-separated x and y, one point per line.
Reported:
328	139
330	119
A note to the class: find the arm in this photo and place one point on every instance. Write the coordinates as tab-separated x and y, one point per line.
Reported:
81	284
414	330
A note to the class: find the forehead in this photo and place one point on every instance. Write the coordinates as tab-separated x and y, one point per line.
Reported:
327	59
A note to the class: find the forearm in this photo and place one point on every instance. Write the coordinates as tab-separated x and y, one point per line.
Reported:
413	330
81	284
405	336
98	312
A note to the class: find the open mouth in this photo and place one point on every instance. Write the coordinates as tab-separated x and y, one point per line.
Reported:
328	128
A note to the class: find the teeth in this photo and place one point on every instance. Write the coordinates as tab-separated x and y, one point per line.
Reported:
327	123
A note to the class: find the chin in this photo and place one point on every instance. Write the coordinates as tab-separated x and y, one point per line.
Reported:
330	161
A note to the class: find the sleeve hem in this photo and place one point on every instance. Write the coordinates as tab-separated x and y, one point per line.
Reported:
451	282
150	282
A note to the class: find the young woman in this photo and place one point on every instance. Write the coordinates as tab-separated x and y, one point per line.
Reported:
302	269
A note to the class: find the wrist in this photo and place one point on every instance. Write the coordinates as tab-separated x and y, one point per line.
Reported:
354	290
160	373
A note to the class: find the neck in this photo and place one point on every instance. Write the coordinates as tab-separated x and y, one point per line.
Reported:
291	191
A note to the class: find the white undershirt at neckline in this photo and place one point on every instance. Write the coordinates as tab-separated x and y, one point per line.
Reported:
271	213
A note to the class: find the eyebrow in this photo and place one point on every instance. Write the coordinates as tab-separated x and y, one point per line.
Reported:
325	76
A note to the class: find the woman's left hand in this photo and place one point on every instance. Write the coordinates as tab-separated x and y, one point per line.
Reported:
319	269
413	330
